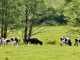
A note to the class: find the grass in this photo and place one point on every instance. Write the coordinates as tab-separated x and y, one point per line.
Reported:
52	33
45	52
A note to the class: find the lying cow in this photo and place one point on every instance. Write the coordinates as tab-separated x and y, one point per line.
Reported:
2	41
34	41
65	40
77	41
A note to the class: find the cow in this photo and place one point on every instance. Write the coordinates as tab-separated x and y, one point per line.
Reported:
8	41
34	41
65	40
77	41
14	40
2	41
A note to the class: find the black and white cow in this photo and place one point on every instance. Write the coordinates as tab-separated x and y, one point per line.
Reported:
65	40
34	41
2	41
8	41
77	41
14	40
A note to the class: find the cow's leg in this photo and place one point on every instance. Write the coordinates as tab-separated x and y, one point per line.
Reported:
17	45
28	43
11	43
24	44
77	43
4	43
35	43
61	43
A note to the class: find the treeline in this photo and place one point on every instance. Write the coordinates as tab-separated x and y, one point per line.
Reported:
25	14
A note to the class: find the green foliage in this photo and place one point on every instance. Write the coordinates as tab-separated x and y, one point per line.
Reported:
50	23
50	17
13	10
68	1
46	16
72	16
33	8
73	31
11	15
72	12
40	12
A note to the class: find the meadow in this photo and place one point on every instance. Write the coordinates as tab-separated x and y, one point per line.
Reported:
46	51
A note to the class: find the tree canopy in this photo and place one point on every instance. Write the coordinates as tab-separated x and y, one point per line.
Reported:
72	16
25	14
72	13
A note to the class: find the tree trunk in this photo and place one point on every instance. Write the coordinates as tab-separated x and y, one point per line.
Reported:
30	31
2	26
25	33
2	30
32	21
5	31
31	26
26	28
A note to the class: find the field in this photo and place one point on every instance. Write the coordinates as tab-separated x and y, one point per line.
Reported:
44	52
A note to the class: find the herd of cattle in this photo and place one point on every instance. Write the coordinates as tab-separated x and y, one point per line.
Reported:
14	40
66	40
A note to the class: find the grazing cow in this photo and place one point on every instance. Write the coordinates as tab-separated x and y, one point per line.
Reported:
77	41
14	40
65	40
3	41
34	41
8	41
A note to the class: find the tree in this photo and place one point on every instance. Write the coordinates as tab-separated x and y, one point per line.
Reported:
33	8
10	13
72	15
68	1
58	7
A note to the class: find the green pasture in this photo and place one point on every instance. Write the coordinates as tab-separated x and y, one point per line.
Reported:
51	33
44	52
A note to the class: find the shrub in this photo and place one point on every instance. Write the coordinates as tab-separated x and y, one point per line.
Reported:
51	42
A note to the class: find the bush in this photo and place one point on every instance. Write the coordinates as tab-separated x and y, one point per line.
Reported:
51	42
50	23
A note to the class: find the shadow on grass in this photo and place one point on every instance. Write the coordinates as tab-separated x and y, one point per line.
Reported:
6	58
